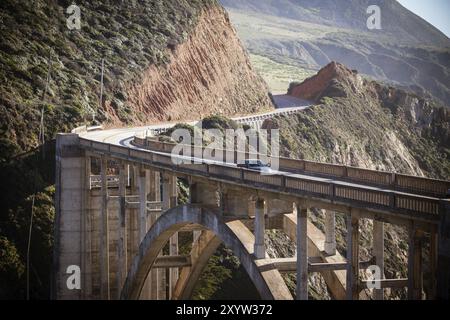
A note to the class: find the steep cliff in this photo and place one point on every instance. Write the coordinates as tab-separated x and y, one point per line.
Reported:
209	74
365	124
306	35
163	60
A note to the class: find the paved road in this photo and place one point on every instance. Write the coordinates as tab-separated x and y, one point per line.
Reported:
124	136
284	103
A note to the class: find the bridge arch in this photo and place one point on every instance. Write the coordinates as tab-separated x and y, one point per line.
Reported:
234	235
201	252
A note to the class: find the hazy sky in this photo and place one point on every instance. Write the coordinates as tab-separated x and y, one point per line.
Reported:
436	12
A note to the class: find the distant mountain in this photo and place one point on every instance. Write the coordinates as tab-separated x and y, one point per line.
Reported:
396	20
407	51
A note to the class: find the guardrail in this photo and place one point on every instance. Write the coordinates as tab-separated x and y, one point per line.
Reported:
395	181
84	129
96	181
335	191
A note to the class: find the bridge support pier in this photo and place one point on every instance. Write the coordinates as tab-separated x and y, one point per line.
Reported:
302	252
352	256
104	233
378	252
70	187
415	274
122	241
143	226
330	232
169	201
259	247
173	242
155	195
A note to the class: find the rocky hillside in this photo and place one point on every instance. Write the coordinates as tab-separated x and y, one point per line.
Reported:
163	60
366	124
307	35
363	123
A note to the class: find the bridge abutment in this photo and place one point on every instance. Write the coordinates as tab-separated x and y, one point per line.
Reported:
70	186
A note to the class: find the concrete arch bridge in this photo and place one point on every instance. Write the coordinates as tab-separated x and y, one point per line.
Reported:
122	226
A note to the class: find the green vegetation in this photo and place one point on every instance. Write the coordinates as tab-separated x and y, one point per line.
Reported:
278	75
224	278
370	126
308	35
130	36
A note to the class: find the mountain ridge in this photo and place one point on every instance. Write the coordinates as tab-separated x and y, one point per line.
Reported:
313	36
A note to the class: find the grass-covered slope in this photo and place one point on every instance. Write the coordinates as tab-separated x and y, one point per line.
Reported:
155	52
363	123
407	51
366	124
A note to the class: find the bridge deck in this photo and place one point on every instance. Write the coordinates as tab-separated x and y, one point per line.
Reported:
117	143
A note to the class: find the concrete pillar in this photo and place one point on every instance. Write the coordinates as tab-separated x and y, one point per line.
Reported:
173	242
122	241
104	233
168	200
302	252
330	232
143	191
443	264
352	257
150	191
277	207
259	247
415	275
70	187
192	197
86	242
432	290
134	214
156	276
205	194
378	252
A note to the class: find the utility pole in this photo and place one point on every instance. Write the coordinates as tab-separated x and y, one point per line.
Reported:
101	84
41	142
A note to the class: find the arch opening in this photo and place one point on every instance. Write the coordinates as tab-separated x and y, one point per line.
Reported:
234	235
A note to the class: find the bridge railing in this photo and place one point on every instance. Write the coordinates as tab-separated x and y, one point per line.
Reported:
334	191
96	181
401	182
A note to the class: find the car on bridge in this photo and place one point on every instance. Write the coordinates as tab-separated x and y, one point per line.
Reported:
255	165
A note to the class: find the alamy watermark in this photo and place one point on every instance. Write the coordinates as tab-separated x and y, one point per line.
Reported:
373	282
73	21
227	147
374	19
74	279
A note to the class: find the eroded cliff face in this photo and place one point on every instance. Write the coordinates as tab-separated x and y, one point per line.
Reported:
363	123
208	74
325	81
366	124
